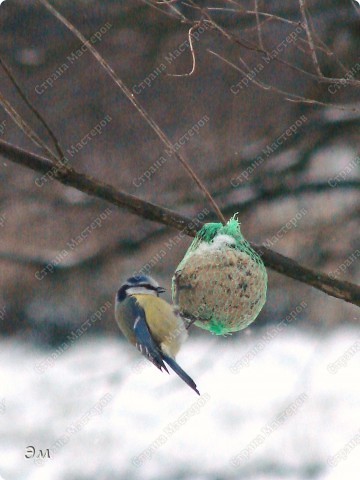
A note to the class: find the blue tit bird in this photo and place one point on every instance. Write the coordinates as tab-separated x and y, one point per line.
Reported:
151	324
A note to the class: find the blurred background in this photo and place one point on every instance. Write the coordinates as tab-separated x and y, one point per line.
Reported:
277	402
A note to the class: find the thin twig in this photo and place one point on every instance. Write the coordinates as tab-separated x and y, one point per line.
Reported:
310	39
151	122
37	114
165	2
346	291
251	29
261	45
240	9
253	47
29	132
155	7
174	9
249	46
291	97
270	17
192	55
324	48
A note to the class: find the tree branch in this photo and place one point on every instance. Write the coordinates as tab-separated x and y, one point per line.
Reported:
29	104
141	110
254	47
95	188
310	39
286	266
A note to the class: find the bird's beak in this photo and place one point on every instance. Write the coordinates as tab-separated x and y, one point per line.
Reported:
161	290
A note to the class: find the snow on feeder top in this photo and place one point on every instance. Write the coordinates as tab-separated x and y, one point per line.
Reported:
221	282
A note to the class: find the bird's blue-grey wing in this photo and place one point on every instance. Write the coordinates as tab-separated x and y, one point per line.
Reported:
144	341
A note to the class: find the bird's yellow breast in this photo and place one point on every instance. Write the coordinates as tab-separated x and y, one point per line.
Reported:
167	329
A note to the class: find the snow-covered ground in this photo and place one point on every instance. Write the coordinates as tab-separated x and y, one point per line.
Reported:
281	408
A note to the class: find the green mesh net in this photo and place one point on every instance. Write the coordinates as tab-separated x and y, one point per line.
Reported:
221	282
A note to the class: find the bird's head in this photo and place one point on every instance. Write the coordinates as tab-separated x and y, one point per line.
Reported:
140	284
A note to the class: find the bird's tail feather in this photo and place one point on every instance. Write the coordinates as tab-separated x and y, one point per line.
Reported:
183	375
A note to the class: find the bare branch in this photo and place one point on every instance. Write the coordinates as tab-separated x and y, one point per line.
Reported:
324	48
249	46
37	114
151	122
333	287
95	188
261	45
253	47
240	9
310	39
25	127
336	288
291	97
192	56
156	7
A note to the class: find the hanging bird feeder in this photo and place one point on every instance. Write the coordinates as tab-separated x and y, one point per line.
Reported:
220	285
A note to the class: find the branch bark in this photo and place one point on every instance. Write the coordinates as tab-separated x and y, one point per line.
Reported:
286	266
